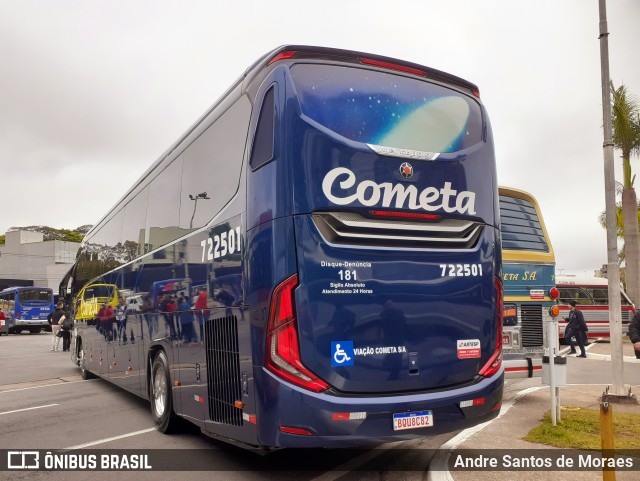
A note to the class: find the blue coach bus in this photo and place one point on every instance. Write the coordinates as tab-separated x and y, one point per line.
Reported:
333	223
26	308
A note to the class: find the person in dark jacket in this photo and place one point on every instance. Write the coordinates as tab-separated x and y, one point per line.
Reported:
54	321
65	331
634	333
576	328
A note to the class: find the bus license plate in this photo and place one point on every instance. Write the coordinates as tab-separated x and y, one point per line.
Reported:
419	419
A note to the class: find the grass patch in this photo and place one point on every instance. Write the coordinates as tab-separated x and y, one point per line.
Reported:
580	429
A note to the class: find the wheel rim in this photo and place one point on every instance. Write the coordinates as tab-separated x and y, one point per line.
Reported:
159	392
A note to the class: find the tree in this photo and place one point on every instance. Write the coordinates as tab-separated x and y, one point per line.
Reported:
626	138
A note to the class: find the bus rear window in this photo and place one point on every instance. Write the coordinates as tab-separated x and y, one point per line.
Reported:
27	295
387	109
521	228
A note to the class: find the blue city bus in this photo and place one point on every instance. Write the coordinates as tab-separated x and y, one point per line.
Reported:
332	223
26	308
530	291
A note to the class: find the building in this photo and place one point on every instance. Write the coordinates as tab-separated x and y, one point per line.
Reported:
27	259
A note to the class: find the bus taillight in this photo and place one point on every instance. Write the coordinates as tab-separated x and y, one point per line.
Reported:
283	348
392	66
287	54
495	361
554	293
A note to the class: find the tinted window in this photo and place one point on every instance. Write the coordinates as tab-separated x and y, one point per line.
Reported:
112	233
387	109
98	291
262	151
163	214
574	294
135	214
212	165
521	228
600	294
44	295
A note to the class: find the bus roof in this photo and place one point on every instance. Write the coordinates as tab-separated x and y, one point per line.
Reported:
582	281
19	288
292	53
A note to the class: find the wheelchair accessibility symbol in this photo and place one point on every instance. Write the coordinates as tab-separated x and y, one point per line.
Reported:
342	353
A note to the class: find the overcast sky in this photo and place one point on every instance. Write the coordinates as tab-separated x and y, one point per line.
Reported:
92	92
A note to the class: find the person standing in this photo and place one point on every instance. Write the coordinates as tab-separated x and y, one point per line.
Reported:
634	333
576	328
202	313
54	322
185	315
66	324
105	321
121	318
3	320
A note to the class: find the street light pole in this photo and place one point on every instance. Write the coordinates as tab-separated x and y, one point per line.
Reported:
202	195
195	198
613	269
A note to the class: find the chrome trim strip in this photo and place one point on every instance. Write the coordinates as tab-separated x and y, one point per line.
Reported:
404	153
355	220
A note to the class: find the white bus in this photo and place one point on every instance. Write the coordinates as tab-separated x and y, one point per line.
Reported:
592	298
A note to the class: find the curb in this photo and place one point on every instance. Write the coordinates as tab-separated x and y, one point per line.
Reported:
441	459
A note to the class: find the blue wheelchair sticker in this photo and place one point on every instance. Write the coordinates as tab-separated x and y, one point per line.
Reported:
342	353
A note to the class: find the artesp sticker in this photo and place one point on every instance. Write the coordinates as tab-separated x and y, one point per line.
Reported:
468	348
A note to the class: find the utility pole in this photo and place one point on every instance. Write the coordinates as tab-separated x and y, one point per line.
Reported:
613	269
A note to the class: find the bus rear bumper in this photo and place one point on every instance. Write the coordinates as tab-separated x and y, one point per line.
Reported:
332	421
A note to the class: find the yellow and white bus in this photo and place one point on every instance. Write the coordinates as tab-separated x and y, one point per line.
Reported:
528	264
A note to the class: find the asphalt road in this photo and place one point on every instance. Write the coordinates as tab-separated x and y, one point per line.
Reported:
44	404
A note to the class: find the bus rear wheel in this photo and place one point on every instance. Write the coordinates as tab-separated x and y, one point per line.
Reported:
161	396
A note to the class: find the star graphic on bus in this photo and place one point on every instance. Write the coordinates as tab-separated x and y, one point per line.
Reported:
406	170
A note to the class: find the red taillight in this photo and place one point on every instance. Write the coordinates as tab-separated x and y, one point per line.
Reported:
404	215
393	66
554	293
298	431
495	361
283	349
287	54
476	93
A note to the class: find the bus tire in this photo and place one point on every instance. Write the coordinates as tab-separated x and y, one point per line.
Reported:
164	417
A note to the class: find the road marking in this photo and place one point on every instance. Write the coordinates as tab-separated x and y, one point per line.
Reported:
22	355
441	459
355	463
114	438
60	383
28	409
599	357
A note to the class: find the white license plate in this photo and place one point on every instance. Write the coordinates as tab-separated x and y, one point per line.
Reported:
415	420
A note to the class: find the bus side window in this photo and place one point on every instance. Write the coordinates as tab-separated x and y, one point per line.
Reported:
600	295
584	298
263	142
574	294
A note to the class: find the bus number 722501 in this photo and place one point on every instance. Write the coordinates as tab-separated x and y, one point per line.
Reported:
461	270
221	244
